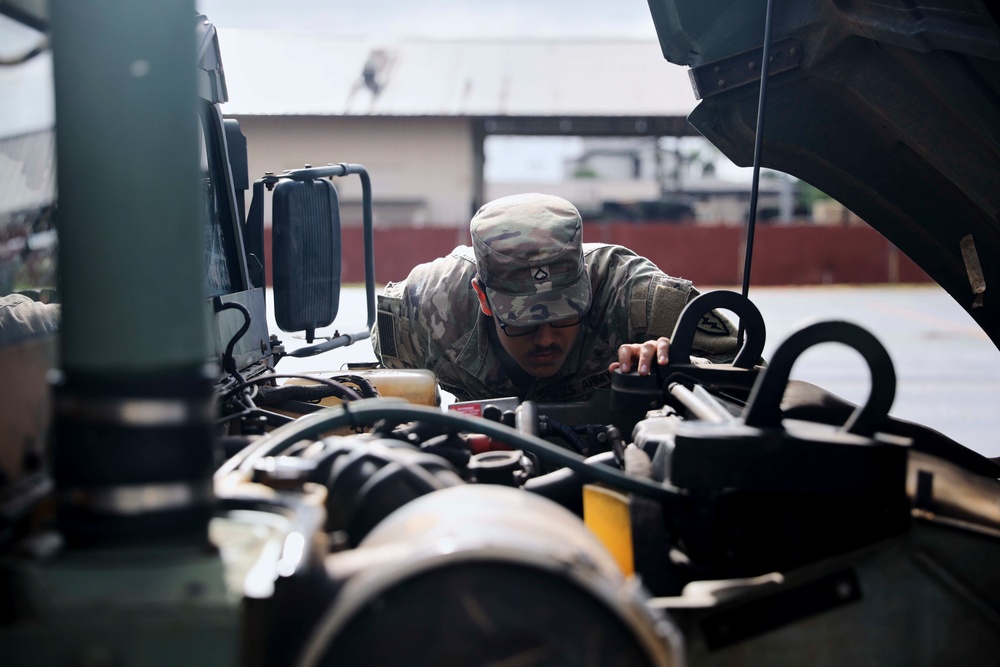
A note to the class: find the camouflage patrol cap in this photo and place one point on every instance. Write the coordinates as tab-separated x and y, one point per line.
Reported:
529	256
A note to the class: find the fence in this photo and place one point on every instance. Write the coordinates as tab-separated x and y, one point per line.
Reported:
707	255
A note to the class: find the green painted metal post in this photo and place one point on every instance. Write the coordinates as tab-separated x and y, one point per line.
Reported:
126	128
132	436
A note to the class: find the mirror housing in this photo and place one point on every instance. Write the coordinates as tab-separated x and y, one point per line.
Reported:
306	246
307	251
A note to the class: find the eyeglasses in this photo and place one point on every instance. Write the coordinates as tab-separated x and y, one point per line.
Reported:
516	331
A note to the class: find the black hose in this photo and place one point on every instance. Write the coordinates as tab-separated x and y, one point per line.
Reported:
341	391
306	393
564	486
364	385
228	360
549	426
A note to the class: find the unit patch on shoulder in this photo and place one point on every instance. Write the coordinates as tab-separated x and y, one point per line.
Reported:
711	325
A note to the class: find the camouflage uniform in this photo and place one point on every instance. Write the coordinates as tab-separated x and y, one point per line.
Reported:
22	317
433	320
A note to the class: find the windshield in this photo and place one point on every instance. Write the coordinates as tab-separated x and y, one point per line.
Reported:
28	239
220	248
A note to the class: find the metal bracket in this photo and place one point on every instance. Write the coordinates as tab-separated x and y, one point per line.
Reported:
780	609
974	270
743	68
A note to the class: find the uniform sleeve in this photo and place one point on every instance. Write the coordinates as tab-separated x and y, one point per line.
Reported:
644	303
396	343
714	336
22	317
635	299
418	318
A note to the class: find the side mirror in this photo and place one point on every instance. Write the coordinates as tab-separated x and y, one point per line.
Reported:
306	244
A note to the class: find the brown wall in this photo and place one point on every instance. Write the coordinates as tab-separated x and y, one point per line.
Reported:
708	255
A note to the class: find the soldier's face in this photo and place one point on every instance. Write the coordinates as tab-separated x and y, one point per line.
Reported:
542	353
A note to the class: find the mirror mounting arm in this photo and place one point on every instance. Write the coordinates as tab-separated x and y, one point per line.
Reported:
345	169
331	171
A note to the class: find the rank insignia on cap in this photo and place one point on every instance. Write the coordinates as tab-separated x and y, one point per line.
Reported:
529	257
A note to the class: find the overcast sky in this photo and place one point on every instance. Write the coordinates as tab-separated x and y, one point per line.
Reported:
508	158
440	18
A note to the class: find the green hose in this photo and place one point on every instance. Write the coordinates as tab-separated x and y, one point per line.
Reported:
365	412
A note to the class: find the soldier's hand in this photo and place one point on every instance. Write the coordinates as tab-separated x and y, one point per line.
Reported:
642	356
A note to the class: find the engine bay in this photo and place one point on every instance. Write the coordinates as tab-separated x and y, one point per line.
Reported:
724	503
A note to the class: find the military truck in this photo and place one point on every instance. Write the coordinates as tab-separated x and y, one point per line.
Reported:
169	498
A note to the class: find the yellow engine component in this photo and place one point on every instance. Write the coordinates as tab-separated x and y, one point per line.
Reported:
418	386
606	513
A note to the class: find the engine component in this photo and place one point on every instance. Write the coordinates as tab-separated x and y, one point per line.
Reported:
634	394
766	495
515	579
510	468
367	478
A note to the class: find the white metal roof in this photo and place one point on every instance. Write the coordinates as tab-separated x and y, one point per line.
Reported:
287	73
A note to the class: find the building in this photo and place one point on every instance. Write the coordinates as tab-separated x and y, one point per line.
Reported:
418	113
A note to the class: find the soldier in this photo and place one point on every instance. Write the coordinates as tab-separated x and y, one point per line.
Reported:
531	311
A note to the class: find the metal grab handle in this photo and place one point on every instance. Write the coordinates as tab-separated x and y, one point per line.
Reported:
753	323
763	409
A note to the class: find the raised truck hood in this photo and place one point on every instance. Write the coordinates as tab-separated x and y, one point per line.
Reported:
892	107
